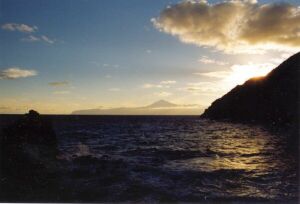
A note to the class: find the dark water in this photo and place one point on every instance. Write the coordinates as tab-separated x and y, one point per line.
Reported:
153	159
174	159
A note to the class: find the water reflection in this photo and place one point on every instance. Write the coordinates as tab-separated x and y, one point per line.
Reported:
244	161
185	158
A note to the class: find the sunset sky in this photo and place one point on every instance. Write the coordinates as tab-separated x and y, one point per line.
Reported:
58	56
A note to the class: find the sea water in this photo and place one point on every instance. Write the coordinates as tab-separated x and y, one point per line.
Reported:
167	159
173	158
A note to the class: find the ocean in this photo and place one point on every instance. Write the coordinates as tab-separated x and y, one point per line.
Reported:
171	158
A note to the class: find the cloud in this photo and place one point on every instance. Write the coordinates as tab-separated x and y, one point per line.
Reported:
148	86
16	72
43	38
163	94
105	65
239	73
204	87
242	72
27	29
221	81
46	39
4	108
233	26
207	60
59	83
19	27
279	59
162	84
30	38
217	74
168	82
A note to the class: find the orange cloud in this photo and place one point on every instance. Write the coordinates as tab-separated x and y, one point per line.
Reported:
233	26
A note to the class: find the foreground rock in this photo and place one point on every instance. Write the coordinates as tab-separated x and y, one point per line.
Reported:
28	159
272	100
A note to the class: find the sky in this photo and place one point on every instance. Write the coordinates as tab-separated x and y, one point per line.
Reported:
57	56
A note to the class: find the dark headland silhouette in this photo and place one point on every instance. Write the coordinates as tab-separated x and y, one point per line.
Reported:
28	150
272	100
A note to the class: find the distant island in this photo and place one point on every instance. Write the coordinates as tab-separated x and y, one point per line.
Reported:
160	107
272	100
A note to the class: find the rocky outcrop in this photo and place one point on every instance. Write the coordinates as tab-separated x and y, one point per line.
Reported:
28	158
271	100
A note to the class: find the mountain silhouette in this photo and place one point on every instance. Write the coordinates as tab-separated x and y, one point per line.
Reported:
272	100
160	107
161	104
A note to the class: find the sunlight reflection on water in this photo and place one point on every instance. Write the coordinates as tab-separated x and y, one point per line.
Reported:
209	159
235	146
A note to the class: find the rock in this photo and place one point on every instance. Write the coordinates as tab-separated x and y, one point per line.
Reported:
28	157
31	128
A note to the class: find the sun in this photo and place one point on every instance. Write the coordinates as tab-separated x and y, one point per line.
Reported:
241	73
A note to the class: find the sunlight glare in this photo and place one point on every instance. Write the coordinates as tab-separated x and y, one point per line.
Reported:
241	73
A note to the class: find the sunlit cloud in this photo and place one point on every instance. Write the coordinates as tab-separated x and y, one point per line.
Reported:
19	27
204	87
233	26
161	84
6	109
168	82
278	60
16	72
207	60
242	72
59	83
148	86
239	73
216	74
